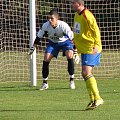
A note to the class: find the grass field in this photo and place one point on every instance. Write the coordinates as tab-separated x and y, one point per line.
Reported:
19	101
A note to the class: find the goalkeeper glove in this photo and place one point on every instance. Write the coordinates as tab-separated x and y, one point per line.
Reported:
76	56
31	50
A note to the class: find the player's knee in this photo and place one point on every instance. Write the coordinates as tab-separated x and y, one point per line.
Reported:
84	74
69	54
48	57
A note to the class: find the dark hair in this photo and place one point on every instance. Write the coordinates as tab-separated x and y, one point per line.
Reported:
54	12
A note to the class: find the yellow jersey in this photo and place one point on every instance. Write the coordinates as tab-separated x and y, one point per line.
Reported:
86	32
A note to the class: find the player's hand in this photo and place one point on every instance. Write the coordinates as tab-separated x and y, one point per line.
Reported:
95	50
76	56
31	50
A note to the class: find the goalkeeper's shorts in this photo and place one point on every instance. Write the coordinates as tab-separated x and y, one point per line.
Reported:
54	48
91	59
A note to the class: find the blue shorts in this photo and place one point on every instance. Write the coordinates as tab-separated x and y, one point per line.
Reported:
54	48
91	59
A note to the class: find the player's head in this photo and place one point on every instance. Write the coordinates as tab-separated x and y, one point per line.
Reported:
78	1
77	5
53	17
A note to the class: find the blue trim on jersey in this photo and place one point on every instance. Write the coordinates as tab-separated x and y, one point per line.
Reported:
91	59
54	48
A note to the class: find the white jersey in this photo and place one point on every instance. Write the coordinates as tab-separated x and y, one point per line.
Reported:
59	34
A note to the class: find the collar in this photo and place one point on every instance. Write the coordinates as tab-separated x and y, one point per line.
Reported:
82	11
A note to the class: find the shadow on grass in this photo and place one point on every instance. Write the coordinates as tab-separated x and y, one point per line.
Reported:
37	88
18	88
38	110
27	88
113	92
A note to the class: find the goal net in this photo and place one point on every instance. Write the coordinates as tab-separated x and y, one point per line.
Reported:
15	34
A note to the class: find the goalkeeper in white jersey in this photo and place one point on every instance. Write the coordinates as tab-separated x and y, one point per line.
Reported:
60	37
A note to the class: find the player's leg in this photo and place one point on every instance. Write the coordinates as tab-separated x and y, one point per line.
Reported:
69	55
90	80
45	70
68	50
50	52
91	85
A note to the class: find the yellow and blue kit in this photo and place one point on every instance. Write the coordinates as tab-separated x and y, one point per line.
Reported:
86	32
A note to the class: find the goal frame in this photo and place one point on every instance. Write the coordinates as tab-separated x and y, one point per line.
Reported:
32	18
22	19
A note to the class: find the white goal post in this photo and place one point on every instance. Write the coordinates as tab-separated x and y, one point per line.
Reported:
20	21
32	17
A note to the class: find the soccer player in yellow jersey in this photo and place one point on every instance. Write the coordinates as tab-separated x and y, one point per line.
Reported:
88	43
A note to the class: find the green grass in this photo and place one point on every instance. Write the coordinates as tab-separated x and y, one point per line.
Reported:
19	101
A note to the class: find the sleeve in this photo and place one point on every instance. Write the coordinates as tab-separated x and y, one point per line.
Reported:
67	30
41	32
94	28
39	36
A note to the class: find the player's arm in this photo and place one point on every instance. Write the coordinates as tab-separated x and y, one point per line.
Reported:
95	29
32	48
41	34
36	41
67	31
97	37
